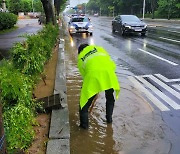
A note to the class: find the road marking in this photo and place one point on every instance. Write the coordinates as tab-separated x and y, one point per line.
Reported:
153	99
170	62
159	93
172	91
169	39
177	86
166	79
173	31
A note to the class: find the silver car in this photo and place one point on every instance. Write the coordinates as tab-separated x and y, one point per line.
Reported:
80	24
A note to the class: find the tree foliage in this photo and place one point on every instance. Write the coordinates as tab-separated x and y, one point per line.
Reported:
15	6
164	8
169	8
59	6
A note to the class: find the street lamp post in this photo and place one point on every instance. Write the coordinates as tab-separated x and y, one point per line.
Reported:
144	3
33	6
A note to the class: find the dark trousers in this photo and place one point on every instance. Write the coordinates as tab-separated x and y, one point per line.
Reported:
109	109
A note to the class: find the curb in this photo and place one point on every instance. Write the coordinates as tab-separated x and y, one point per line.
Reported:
59	131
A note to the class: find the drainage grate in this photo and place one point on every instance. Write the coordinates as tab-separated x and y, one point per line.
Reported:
51	102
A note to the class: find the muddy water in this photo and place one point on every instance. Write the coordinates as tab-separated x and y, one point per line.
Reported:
136	128
99	137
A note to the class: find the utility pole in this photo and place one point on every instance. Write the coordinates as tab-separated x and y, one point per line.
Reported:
144	5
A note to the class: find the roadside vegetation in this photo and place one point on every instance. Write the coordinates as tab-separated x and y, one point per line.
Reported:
18	78
21	73
154	8
7	20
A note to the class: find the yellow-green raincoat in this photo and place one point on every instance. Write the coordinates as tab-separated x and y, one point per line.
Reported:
98	72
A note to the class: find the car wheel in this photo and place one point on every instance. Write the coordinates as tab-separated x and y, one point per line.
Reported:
91	34
143	34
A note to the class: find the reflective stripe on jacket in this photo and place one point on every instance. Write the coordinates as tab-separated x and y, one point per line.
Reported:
98	72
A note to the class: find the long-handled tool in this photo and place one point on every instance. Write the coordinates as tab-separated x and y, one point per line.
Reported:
93	103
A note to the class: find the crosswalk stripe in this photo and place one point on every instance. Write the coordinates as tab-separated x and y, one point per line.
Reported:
166	79
172	91
153	99
177	86
159	93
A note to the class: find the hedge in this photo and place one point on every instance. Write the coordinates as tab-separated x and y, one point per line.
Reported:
7	20
18	78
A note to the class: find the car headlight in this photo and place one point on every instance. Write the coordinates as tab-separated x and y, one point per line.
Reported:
72	27
126	26
145	26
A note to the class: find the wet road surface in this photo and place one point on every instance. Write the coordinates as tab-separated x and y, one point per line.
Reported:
151	63
7	40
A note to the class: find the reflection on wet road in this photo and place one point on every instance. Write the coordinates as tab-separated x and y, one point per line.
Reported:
137	128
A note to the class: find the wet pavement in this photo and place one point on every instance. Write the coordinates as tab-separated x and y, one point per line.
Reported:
137	127
7	40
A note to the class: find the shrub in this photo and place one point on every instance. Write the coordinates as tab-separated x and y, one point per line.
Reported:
7	20
17	80
18	105
30	56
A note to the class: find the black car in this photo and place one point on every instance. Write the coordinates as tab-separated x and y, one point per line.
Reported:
128	24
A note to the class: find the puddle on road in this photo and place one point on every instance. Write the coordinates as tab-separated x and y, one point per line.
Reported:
99	137
135	129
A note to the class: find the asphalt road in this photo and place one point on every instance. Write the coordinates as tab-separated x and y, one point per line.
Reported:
154	61
7	40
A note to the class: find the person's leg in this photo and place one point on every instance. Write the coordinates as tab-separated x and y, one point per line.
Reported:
109	104
84	114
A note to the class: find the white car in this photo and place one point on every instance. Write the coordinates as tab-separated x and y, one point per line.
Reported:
80	24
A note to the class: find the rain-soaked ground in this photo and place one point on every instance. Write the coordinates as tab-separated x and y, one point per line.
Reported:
136	129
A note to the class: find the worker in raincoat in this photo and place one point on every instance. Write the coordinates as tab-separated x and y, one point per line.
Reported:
98	72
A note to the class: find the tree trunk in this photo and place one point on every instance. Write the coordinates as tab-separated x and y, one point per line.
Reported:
48	10
57	6
152	8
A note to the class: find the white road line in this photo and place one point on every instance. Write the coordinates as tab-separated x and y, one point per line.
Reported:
152	98
166	79
169	39
177	86
170	62
159	93
173	31
159	82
